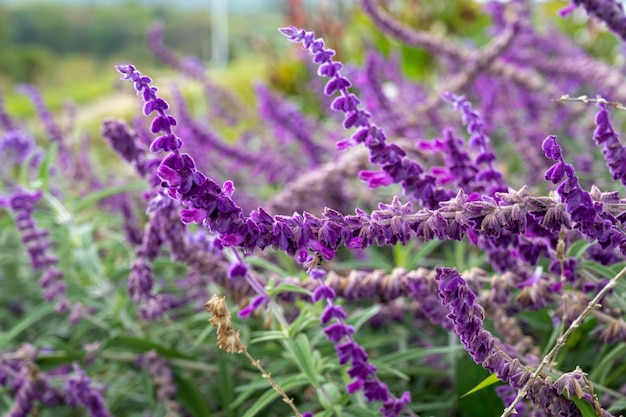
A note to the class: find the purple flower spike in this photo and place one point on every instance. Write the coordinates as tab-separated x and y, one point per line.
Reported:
610	12
257	302
396	166
337	331
333	312
80	391
614	152
323	293
163	122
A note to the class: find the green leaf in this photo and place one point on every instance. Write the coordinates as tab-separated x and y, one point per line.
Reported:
586	409
601	270
301	349
422	253
578	248
94	197
265	264
618	405
202	336
600	370
49	158
188	394
417	353
391	370
359	318
270	395
329	395
288	288
35	315
54	360
26	168
304	320
267	336
490	380
135	344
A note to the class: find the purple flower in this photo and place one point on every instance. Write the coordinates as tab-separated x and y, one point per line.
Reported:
125	142
337	331
479	140
80	391
396	166
163	380
53	131
589	215
22	205
614	152
610	12
256	302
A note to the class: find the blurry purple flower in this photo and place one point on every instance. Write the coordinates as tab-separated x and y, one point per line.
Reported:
237	270
256	302
80	391
396	166
614	152
610	12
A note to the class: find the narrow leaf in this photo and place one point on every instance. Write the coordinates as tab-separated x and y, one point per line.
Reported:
490	380
301	350
270	395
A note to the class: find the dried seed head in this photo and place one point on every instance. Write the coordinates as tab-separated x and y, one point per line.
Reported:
228	340
217	306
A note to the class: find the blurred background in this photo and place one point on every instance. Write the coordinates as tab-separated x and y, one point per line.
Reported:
68	48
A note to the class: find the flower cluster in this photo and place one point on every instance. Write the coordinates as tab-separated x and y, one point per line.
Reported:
397	168
37	243
350	353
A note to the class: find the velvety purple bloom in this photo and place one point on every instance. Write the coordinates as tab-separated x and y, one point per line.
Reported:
53	131
163	380
467	318
337	331
37	243
610	12
237	270
480	141
323	293
332	312
125	142
256	302
15	147
25	399
80	391
396	166
614	152
587	214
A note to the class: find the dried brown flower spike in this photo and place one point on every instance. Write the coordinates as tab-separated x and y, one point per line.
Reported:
228	340
227	337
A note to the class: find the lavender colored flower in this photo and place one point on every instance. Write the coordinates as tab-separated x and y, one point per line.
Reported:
25	398
16	146
285	117
349	352
125	142
480	141
397	167
52	129
81	391
589	216
163	379
610	12
614	152
22	205
467	318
